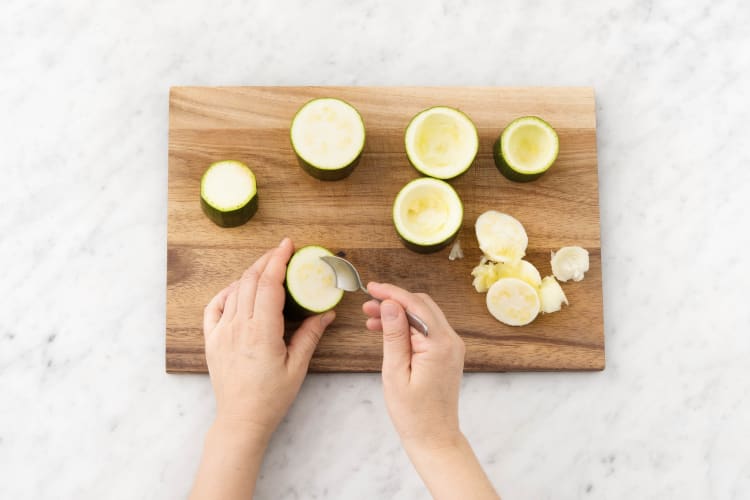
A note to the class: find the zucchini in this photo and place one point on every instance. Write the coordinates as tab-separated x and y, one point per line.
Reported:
513	301
551	295
488	272
441	142
229	193
310	283
570	263
427	214
526	149
328	136
501	237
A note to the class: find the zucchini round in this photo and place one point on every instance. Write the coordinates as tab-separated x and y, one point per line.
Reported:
310	283
513	301
441	142
229	193
328	136
427	214
526	149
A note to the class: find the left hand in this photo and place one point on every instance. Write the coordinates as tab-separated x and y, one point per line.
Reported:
255	375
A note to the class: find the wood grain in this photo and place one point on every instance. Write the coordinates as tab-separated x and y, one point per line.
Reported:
251	124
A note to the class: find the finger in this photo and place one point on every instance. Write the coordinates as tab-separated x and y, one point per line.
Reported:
396	342
269	297
371	308
214	309
306	338
374	324
420	344
230	305
437	313
249	284
411	302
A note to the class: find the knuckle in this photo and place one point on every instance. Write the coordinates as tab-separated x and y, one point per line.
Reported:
461	348
391	332
251	274
315	330
265	282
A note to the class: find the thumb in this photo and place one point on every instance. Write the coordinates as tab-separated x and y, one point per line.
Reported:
306	338
396	340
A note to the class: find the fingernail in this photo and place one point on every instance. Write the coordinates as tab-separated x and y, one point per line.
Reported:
327	318
388	310
283	241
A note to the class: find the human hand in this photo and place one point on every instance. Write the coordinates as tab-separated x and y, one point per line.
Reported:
255	375
421	375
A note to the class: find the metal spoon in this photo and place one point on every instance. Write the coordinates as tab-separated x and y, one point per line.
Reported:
347	278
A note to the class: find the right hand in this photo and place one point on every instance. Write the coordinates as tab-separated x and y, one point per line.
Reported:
421	375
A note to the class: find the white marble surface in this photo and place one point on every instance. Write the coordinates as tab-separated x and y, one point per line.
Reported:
87	411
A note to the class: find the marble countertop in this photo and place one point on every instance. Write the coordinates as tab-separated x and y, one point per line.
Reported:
88	411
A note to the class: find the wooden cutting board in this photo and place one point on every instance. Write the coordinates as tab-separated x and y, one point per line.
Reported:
353	215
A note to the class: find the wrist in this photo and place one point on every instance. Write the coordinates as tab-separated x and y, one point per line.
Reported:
241	432
436	443
450	469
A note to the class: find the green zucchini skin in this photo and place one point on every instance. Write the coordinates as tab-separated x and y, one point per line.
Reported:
235	217
425	249
292	310
506	170
328	174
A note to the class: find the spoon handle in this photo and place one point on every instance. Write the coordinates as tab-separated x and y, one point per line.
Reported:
417	323
414	320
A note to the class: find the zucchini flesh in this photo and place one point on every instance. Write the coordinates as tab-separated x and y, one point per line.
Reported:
487	273
526	149
501	238
441	142
427	214
513	301
551	295
229	193
328	136
570	263
310	283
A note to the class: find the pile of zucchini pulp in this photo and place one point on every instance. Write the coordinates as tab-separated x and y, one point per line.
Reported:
441	143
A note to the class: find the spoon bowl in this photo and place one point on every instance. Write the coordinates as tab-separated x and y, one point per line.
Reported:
348	279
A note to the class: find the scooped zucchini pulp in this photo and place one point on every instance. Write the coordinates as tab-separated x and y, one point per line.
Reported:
328	136
427	214
526	149
441	142
310	283
229	193
516	292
